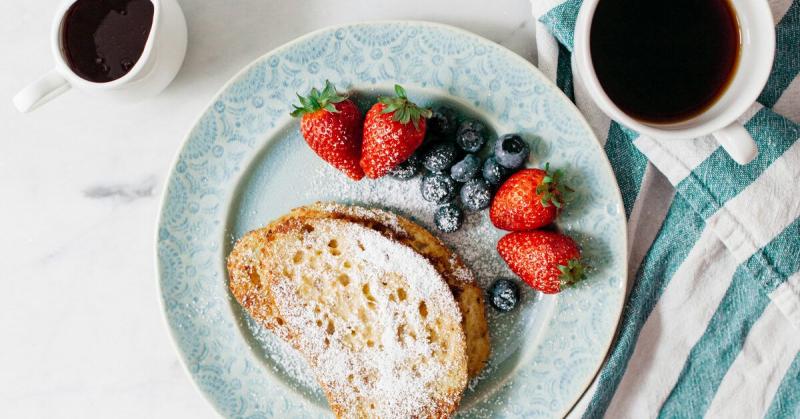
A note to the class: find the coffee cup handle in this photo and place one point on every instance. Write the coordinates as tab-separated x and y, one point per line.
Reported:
43	90
737	142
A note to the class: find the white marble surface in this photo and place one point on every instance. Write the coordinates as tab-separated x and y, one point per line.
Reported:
82	334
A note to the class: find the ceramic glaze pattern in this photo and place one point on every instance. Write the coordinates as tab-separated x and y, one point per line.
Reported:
557	364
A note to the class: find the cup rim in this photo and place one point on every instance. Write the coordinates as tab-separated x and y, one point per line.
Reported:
587	74
75	79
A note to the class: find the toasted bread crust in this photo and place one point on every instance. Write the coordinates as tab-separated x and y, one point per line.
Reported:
254	281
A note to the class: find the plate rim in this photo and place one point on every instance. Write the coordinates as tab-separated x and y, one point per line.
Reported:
552	87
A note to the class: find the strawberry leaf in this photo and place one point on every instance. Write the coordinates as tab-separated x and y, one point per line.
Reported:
399	91
403	110
314	102
329	90
551	189
319	101
571	273
304	102
391	107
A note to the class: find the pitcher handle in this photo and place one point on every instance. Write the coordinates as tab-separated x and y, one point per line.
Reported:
43	90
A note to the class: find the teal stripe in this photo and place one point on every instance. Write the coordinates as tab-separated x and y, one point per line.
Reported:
627	162
787	56
716	350
564	72
560	20
786	403
712	355
679	232
719	178
778	261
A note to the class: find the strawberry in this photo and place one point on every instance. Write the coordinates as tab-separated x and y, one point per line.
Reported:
331	125
545	260
393	128
529	199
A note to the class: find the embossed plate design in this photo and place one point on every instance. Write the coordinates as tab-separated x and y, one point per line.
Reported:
244	163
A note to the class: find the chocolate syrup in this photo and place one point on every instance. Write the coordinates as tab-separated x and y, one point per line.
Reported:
103	39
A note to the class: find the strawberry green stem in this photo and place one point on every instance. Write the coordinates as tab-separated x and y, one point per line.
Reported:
552	190
571	273
316	100
404	110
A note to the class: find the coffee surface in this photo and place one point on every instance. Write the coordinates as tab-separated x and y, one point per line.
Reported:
664	61
103	39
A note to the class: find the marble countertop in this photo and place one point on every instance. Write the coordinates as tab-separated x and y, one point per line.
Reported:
81	328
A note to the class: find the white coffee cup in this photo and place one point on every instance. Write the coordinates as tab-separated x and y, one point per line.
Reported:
757	50
159	63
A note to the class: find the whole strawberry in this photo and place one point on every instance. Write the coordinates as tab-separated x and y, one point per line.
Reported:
393	128
529	199
331	125
545	260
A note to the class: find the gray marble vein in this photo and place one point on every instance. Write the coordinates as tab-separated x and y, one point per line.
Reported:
122	191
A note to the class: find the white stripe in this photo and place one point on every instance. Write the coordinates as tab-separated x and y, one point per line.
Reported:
547	52
751	219
647	215
788	104
758	370
678	320
777	7
787	298
677	158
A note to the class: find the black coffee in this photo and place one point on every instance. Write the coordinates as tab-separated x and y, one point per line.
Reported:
103	39
664	61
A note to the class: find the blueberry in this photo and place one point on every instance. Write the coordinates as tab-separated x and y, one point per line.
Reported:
476	195
504	295
493	173
470	140
448	218
438	188
471	125
511	151
439	157
407	169
466	169
442	122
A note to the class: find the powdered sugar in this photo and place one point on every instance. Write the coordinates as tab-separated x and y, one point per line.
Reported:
394	368
286	361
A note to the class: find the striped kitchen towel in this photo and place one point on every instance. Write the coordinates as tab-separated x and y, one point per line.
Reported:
712	323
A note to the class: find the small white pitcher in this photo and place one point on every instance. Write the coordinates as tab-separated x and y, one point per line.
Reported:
159	63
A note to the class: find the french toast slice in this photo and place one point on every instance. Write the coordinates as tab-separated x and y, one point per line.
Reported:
459	278
373	318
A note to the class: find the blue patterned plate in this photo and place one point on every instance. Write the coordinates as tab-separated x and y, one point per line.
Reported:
244	164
